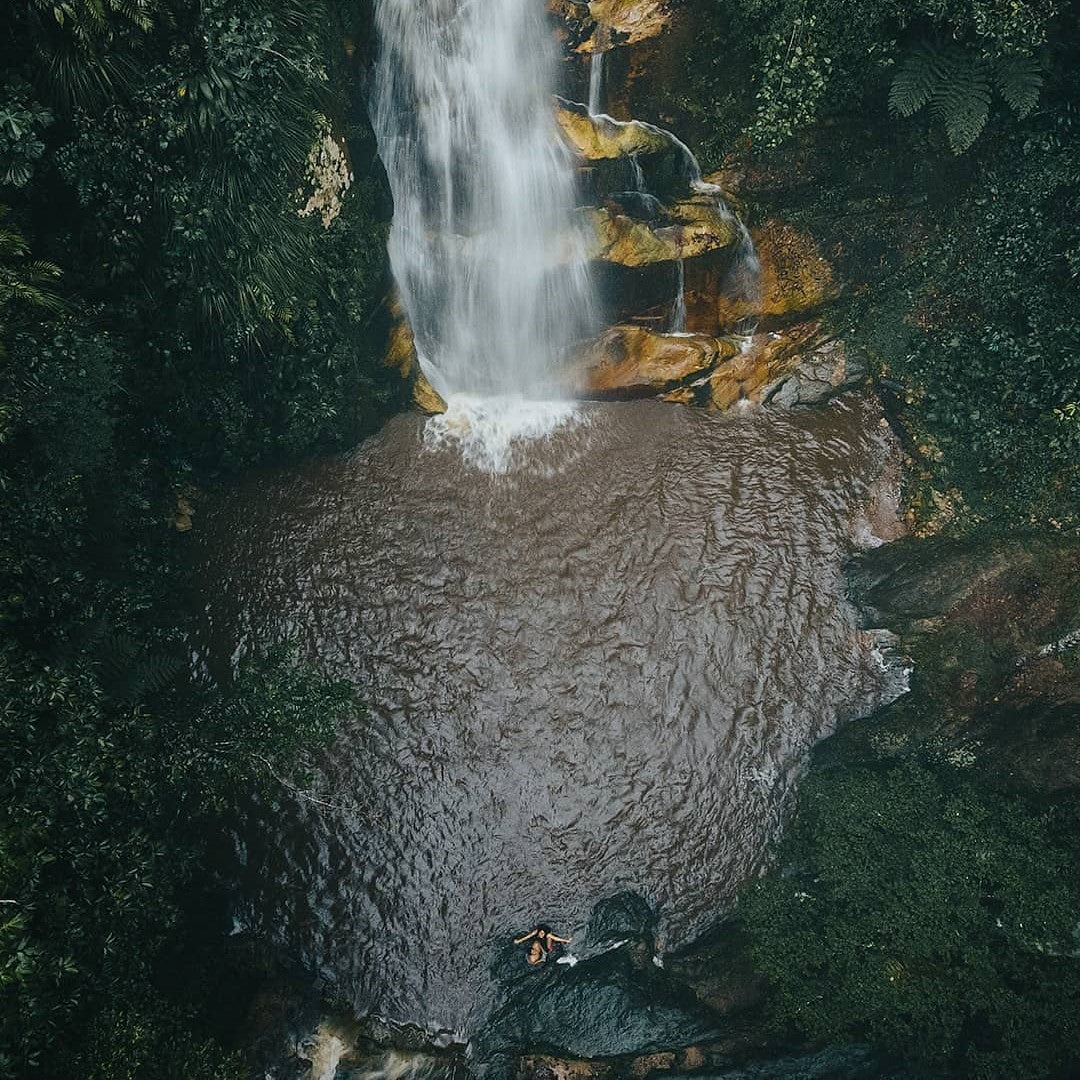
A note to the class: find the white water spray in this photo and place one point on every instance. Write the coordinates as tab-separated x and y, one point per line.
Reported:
596	83
485	251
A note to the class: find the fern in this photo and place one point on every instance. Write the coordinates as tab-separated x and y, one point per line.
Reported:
961	101
957	85
1019	80
129	673
916	81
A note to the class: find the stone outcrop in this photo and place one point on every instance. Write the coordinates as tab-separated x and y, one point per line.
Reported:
796	280
630	361
695	230
401	354
604	24
595	138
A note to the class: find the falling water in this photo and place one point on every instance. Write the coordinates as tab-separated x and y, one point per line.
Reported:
596	82
490	267
678	309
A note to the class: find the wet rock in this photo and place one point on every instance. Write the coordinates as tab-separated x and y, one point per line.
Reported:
401	354
719	970
603	24
815	370
696	230
401	349
796	280
625	916
425	397
607	1006
630	361
596	138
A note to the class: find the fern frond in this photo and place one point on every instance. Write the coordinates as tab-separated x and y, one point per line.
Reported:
916	80
962	99
1019	80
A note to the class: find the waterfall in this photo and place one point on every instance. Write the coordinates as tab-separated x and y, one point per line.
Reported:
678	309
596	82
489	264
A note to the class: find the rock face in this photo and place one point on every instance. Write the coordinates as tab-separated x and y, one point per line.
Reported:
401	354
630	361
603	24
596	138
695	230
796	280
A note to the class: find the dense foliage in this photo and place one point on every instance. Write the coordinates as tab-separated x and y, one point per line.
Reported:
929	916
167	314
975	326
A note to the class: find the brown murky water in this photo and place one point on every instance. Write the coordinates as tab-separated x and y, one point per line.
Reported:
599	671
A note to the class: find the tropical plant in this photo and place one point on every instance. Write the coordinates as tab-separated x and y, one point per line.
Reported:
24	282
957	84
21	122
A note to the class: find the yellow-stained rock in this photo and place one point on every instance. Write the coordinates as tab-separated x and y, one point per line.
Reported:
184	512
599	138
755	370
401	350
698	230
602	24
682	395
425	397
630	361
795	277
626	22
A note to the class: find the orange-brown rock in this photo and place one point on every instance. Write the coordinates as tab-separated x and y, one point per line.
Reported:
698	229
796	279
401	354
630	361
425	397
626	22
400	349
754	374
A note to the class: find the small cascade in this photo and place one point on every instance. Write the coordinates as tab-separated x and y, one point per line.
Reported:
677	324
742	282
596	83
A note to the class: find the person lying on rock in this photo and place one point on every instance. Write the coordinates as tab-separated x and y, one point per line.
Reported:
545	943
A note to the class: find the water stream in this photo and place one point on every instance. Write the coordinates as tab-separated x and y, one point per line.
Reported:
596	82
487	257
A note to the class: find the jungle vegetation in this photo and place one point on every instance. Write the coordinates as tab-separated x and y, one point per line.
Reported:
939	141
167	316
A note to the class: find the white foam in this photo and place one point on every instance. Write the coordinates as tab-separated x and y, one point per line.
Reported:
489	430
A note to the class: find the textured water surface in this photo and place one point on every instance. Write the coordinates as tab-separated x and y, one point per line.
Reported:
600	670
